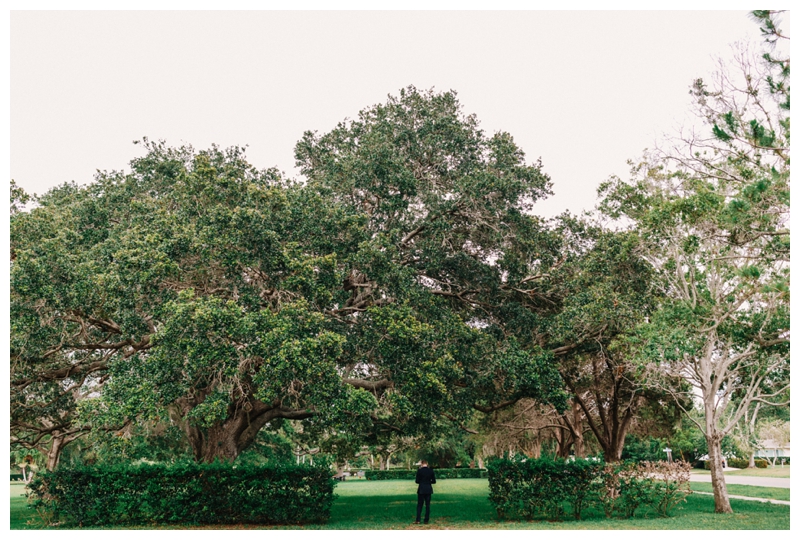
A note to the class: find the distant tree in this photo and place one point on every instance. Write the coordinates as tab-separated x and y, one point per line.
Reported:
777	431
609	290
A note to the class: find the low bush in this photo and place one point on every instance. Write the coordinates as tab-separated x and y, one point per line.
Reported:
745	463
411	474
741	463
625	489
186	493
392	474
546	488
671	486
537	488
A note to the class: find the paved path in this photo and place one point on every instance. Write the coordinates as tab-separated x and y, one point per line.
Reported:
746	480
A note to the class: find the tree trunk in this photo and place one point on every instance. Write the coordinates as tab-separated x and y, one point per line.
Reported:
220	441
613	416
722	504
578	445
226	439
55	447
564	441
613	449
752	463
575	426
54	452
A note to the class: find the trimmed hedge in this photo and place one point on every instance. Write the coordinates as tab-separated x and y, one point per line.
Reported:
744	463
546	488
537	488
187	493
411	474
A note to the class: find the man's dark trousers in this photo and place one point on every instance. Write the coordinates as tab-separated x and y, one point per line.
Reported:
424	498
425	477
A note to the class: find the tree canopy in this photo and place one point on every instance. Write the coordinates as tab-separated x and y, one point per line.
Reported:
230	297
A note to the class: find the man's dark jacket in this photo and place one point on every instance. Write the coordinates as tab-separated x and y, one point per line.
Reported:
425	478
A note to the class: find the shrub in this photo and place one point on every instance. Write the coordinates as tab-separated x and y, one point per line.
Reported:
742	463
186	493
671	486
393	474
626	488
745	463
411	474
642	449
539	487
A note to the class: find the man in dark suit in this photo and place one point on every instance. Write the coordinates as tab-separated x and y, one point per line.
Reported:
425	478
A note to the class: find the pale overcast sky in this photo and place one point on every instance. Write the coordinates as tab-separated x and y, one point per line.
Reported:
585	91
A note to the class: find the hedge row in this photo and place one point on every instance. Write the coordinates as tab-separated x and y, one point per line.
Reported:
547	489
411	474
187	493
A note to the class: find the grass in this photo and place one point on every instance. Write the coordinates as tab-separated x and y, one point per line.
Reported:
780	494
20	513
771	472
463	504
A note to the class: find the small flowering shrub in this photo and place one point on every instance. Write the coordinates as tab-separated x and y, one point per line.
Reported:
547	489
626	488
672	484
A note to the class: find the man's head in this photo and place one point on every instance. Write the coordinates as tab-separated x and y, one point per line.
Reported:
423	463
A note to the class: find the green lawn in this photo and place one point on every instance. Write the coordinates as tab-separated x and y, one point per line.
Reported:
780	494
771	472
463	504
20	514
